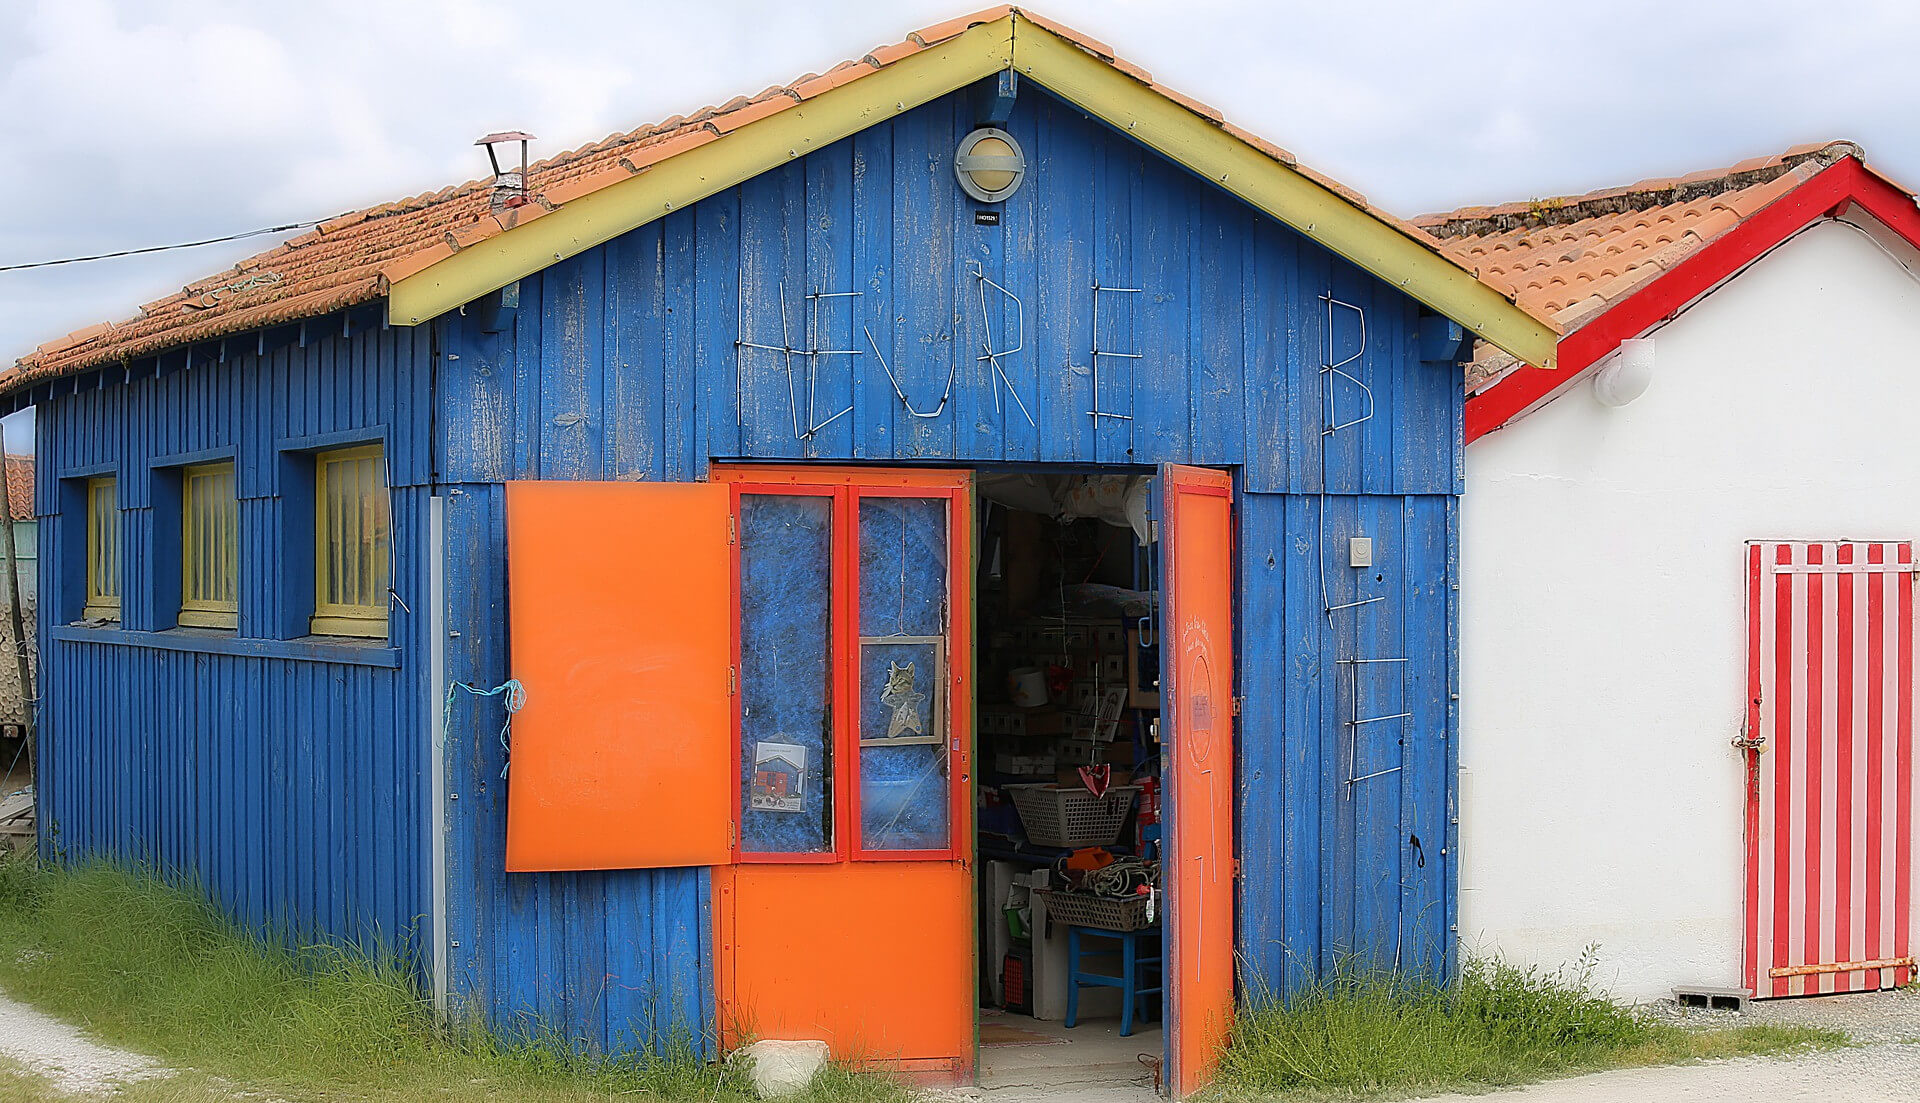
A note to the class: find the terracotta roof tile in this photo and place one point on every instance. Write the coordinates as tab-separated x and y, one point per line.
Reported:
354	257
20	487
1809	147
1205	111
882	56
1570	257
833	78
1256	141
1085	41
940	32
591	182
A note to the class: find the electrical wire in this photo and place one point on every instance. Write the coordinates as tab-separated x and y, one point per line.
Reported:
161	248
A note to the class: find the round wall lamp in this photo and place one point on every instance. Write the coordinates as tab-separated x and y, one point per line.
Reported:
989	165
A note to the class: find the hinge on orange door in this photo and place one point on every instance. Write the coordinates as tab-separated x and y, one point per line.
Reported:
1238	703
733	530
1236	869
733	675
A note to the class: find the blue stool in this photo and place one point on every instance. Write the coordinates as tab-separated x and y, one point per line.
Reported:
1136	961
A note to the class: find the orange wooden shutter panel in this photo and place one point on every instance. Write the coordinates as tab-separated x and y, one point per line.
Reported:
620	603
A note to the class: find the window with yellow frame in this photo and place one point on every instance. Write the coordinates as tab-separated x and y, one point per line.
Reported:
209	547
103	549
351	540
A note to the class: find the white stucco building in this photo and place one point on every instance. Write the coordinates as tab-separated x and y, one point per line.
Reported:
1609	659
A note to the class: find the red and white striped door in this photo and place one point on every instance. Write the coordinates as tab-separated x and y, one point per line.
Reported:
1829	767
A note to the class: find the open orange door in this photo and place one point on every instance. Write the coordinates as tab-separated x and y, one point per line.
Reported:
621	631
1196	649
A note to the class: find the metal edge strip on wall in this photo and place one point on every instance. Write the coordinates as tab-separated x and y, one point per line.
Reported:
435	714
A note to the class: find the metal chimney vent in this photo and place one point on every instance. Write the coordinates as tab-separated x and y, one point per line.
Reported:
509	186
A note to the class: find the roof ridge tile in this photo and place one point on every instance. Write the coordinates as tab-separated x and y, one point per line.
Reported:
1653	191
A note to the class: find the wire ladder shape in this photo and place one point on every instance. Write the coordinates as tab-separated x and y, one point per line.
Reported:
1355	664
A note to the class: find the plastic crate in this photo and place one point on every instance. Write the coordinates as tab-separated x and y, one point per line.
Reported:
1107	913
1071	817
1015	986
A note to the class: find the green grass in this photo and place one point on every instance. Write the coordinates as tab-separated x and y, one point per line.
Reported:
1369	1035
142	964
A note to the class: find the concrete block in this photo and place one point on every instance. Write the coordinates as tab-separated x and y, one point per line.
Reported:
783	1068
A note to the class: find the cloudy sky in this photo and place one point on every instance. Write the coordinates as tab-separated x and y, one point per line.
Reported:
154	121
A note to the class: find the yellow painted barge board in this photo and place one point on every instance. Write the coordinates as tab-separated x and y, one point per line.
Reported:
1050	61
686	178
1186	138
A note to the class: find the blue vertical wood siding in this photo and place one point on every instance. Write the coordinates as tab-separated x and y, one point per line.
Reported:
288	787
1332	870
623	362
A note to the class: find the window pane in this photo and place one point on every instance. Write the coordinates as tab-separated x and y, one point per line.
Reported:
96	543
196	537
352	534
379	531
904	790
329	533
229	540
208	530
786	706
363	527
103	539
112	528
903	566
103	535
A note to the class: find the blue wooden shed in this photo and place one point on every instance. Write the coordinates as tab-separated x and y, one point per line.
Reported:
646	442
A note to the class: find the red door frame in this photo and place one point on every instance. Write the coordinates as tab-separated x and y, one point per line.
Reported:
847	486
1189	1046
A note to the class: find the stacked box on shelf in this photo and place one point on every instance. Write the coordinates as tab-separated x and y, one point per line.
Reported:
1026	765
1022	723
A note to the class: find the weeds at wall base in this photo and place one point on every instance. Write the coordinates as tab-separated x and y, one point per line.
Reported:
1369	1034
146	965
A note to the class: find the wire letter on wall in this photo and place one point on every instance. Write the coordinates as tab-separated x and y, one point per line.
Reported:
992	355
811	353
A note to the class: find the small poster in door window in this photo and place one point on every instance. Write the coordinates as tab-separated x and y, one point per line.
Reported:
1099	716
779	777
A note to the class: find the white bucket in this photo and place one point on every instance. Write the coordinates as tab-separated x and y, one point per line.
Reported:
1027	686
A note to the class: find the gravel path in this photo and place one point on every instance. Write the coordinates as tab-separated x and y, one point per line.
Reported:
1866	1017
1884	1073
1883	1066
69	1060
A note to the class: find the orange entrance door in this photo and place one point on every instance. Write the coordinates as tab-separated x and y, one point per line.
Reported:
1196	648
847	912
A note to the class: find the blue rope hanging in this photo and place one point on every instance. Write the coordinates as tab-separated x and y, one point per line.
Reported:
516	699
